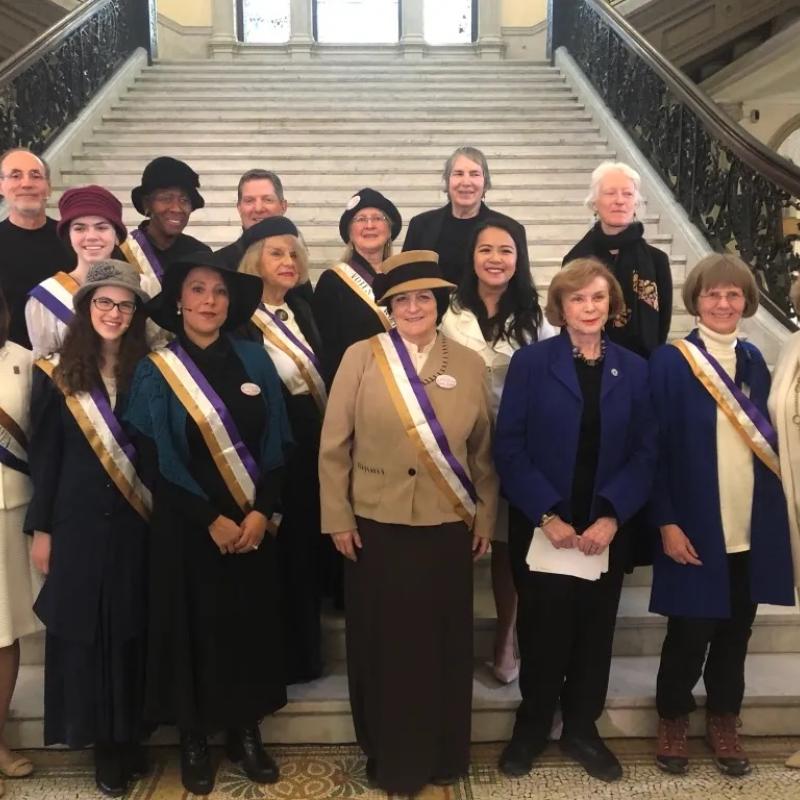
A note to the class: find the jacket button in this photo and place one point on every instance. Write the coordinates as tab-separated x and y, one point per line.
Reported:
412	471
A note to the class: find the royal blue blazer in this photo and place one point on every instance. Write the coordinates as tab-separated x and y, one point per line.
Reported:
538	426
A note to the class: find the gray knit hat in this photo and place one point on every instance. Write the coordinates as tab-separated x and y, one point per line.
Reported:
111	272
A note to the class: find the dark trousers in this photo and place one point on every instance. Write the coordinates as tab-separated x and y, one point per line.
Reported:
565	628
720	643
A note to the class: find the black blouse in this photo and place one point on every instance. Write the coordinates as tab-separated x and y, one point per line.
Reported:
589	378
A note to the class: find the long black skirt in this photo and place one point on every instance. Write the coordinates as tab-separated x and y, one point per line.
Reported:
408	603
94	692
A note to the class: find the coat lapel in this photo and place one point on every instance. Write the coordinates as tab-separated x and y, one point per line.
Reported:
612	371
305	321
562	367
435	359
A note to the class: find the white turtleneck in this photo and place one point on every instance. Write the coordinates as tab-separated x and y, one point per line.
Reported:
734	457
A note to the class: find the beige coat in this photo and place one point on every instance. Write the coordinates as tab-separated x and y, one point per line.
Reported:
16	364
368	466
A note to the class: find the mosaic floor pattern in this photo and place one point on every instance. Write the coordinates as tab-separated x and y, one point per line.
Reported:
322	772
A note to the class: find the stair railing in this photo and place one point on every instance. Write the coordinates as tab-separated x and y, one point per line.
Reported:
45	85
734	189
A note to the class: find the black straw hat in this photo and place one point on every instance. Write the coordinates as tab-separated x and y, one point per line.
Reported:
369	198
244	291
271	226
163	173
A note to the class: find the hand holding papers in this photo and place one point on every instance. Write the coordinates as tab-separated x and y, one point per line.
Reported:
543	557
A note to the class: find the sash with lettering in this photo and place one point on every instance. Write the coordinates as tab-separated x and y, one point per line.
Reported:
115	451
235	463
13	444
421	423
138	251
362	286
56	293
278	336
744	415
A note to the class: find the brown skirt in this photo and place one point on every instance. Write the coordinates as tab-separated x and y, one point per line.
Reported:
408	602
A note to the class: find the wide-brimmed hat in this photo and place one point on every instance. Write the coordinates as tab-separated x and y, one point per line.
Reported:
90	201
165	172
411	271
369	198
244	291
111	272
271	226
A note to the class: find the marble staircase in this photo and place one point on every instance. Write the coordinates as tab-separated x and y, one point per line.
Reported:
329	129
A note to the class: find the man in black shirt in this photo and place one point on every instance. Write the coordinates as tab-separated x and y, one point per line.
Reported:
30	249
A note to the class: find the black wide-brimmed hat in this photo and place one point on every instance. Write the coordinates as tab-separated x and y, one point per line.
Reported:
165	172
411	271
244	291
369	198
271	226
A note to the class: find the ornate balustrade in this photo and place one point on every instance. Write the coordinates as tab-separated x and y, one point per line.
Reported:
734	189
46	85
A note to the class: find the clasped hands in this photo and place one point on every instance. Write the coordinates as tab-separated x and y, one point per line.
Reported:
233	538
592	542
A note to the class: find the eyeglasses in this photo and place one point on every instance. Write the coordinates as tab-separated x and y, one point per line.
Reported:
718	297
364	220
126	307
169	198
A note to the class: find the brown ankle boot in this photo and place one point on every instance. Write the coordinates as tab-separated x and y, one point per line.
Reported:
722	736
672	752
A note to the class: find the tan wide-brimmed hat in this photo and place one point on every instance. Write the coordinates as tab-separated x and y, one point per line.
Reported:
409	272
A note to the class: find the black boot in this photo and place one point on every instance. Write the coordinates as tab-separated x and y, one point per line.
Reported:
136	762
244	747
109	769
196	774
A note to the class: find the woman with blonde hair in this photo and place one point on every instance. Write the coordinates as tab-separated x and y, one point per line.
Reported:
284	325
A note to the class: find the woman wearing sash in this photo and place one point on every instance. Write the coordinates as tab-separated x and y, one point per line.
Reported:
19	583
284	326
643	271
721	509
344	302
209	409
575	449
89	520
495	311
784	410
91	221
408	493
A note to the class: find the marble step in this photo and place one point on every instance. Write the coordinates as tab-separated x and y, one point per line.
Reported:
389	65
319	712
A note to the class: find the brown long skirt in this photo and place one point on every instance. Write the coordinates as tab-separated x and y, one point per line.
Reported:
408	602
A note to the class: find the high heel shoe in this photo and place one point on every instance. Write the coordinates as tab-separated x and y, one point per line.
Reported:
505	675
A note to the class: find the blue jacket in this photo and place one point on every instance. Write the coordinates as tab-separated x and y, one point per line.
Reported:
686	493
538	426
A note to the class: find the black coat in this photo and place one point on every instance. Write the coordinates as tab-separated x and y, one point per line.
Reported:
425	229
342	318
98	540
586	247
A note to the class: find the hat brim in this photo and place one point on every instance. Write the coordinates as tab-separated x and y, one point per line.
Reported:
414	285
84	290
140	192
244	294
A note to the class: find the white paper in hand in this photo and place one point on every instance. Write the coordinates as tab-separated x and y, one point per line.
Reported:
543	557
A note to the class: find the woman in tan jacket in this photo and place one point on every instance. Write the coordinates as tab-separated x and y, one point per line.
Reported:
409	494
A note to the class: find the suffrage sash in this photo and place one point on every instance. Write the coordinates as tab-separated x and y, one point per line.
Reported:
278	336
421	423
744	415
13	444
55	294
235	463
139	252
115	451
362	289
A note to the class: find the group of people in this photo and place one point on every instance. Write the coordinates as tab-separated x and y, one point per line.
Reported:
190	422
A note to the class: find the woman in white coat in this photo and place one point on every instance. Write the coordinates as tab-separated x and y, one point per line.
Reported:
495	311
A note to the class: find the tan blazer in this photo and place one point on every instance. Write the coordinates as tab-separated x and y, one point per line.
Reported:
16	365
368	466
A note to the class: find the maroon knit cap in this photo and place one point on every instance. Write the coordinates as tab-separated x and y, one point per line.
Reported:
90	201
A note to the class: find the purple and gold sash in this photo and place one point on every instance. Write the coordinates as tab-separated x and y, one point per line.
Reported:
110	443
421	423
55	294
754	428
139	251
13	444
279	337
235	463
363	290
